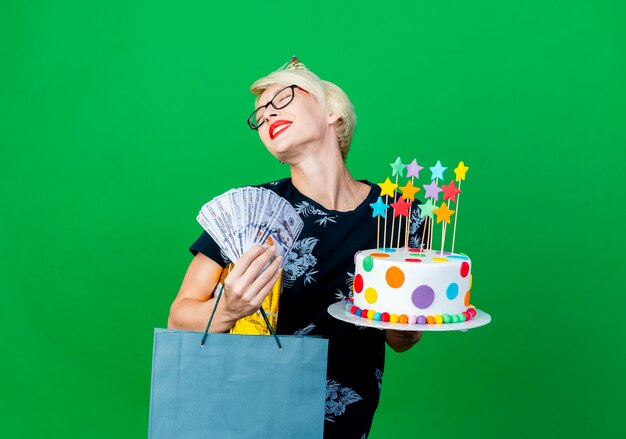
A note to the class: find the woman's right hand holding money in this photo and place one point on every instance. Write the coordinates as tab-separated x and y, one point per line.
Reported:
247	284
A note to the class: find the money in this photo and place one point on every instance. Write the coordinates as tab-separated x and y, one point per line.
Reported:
243	217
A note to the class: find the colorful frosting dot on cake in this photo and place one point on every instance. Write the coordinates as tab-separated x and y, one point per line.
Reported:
462	317
464	269
394	277
389	250
452	291
377	316
438	319
423	296
368	263
440	259
403	319
455	318
421	320
463	258
446	318
413	260
470	281
379	255
385	317
412	320
393	318
466	299
358	283
370	314
353	309
364	313
430	320
371	295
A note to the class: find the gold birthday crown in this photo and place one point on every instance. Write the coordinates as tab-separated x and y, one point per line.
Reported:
295	64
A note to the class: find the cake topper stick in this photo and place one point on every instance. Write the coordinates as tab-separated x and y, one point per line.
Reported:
443	237
400	208
397	170
399	231
412	170
385	228
432	227
408	194
460	172
443	213
393	218
378	233
450	192
426	211
437	173
430	235
379	209
407	228
387	188
455	218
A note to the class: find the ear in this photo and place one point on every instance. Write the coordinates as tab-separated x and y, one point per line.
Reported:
332	118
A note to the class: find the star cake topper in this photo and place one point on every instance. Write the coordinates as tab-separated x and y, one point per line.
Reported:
387	188
443	213
379	208
409	191
413	169
397	168
437	171
460	171
450	191
401	207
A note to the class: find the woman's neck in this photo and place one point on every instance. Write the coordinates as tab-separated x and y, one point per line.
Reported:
329	183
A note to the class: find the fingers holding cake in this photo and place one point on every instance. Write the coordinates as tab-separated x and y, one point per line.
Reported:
401	341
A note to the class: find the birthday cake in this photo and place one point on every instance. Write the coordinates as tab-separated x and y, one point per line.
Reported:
406	285
412	286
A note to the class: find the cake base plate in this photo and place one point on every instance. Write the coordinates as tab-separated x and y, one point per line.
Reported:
338	311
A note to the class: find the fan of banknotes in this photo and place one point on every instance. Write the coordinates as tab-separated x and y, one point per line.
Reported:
243	217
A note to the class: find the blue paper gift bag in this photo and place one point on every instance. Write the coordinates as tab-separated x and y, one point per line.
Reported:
237	386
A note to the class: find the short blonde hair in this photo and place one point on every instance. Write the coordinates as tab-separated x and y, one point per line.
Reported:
330	97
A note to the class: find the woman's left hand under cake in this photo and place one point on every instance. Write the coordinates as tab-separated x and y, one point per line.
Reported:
401	341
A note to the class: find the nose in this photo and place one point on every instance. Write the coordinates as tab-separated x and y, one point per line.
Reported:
270	112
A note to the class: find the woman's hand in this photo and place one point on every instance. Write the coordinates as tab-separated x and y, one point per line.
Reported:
246	286
401	341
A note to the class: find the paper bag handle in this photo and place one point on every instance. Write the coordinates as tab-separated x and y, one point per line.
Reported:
217	301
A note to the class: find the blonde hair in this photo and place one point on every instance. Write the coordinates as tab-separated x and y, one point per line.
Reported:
330	97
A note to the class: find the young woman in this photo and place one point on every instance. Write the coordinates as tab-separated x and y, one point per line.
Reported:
307	124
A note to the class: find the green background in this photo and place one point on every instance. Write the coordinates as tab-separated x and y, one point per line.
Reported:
119	119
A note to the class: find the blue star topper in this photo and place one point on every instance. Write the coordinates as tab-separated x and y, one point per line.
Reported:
380	208
437	171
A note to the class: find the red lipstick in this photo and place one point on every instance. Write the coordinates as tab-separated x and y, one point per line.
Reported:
274	127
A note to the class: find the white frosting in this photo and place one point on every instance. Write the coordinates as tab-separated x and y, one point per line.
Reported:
397	286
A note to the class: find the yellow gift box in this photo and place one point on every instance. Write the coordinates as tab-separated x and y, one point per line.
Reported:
254	323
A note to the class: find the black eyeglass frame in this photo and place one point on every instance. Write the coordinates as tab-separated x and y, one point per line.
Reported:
252	120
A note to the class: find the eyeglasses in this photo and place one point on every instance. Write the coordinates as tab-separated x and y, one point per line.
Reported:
281	99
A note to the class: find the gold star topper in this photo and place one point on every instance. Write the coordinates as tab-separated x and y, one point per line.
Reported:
409	191
387	188
443	213
460	171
